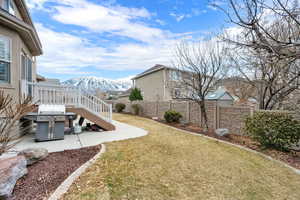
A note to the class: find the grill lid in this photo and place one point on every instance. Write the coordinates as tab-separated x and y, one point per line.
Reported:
52	109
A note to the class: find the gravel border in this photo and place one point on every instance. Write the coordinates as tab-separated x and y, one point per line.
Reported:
63	188
297	171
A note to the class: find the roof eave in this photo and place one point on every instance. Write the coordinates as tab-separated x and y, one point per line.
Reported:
150	72
26	31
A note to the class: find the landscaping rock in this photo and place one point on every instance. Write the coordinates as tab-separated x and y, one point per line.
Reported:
11	169
34	155
222	131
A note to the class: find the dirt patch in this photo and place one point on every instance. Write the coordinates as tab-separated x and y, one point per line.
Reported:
291	158
45	176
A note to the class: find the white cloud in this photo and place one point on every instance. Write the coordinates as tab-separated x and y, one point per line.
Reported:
179	17
161	22
37	4
68	53
116	20
65	53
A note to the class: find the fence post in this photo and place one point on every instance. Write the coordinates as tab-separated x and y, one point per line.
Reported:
156	109
217	116
200	115
188	111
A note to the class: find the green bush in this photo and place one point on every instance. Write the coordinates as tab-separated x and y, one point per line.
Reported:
120	107
172	116
136	109
273	129
136	95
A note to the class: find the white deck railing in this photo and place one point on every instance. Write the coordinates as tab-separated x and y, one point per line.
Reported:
70	96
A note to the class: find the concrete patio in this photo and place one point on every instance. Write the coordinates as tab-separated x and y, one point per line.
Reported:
84	139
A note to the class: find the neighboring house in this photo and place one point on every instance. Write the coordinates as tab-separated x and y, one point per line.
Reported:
221	96
51	81
162	83
100	94
124	96
19	45
40	78
159	83
244	93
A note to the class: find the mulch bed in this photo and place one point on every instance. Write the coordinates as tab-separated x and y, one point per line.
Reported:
46	175
291	158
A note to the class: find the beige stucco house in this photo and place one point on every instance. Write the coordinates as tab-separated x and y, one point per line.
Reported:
159	83
19	46
162	83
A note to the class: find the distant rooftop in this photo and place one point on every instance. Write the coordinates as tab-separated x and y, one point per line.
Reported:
157	67
218	94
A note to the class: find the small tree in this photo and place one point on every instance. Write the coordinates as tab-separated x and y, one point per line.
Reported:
199	66
11	113
136	95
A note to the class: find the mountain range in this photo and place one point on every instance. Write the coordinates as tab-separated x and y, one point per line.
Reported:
92	83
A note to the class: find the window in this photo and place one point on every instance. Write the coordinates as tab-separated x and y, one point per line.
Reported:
175	75
5	59
8	5
29	70
26	73
177	93
23	70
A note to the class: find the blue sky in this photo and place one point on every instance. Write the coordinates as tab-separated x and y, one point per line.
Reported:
116	38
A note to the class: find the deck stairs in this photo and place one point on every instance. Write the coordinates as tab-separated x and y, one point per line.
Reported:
75	100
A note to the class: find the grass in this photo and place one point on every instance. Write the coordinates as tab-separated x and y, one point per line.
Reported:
169	164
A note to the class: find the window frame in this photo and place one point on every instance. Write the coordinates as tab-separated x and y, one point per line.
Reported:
9	6
9	61
25	72
177	93
175	75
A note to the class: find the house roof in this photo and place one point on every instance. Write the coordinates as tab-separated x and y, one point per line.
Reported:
40	78
156	68
218	94
25	28
126	93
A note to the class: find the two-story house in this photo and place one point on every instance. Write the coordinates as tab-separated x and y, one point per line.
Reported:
162	83
159	83
19	45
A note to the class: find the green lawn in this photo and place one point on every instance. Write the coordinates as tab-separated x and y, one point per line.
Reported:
170	164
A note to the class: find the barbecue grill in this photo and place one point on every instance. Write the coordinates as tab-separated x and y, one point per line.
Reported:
50	121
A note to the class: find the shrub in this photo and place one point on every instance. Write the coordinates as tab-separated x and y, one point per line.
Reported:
136	95
120	107
136	109
172	116
276	130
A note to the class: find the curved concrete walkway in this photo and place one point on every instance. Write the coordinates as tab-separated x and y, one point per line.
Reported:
84	139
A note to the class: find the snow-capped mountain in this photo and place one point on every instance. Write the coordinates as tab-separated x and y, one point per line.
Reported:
92	83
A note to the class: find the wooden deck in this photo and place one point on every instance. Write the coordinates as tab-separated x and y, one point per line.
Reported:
92	117
76	100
